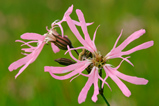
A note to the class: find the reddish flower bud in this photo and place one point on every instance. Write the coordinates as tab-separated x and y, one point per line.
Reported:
64	61
60	41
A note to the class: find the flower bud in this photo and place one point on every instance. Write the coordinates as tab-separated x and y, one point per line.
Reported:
64	61
62	42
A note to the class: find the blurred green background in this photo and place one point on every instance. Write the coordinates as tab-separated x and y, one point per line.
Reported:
36	87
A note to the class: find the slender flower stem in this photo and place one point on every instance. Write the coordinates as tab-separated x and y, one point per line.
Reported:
101	89
75	50
105	99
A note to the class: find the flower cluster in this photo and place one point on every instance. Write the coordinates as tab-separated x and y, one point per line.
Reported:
89	59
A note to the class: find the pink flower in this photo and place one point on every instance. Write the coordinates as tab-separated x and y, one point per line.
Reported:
116	52
77	69
34	51
80	66
97	61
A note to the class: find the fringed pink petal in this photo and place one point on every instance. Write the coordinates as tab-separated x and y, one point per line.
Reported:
28	49
24	53
104	81
121	62
78	23
32	36
60	70
74	77
26	60
55	48
61	28
83	25
117	51
118	39
96	88
71	54
69	10
77	34
71	74
74	30
89	42
83	94
119	83
33	56
25	43
23	68
74	49
19	63
127	60
131	38
94	35
65	76
139	47
29	42
131	79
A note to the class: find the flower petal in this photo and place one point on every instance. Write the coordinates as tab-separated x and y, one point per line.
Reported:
94	35
19	63
32	36
78	23
139	47
71	54
74	30
28	49
83	94
23	68
131	38
119	83
71	74
26	60
59	70
131	79
55	48
83	25
118	39
69	10
89	42
96	88
117	51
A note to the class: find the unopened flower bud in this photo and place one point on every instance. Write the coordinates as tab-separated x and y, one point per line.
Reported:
64	61
62	42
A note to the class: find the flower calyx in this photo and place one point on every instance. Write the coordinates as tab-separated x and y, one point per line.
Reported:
59	40
65	61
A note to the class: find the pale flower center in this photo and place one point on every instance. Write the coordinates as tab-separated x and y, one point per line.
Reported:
49	37
96	58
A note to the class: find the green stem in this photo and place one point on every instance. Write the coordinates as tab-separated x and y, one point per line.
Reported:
105	99
75	50
101	89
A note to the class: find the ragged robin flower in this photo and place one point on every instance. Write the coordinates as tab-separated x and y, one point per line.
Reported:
57	42
91	60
